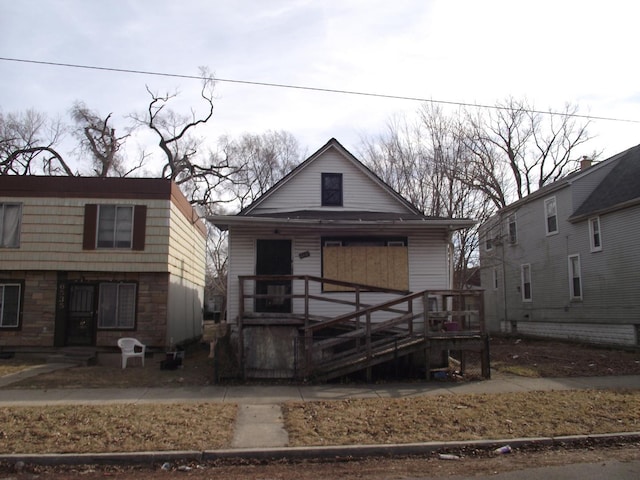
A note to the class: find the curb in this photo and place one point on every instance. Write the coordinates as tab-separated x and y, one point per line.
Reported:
321	452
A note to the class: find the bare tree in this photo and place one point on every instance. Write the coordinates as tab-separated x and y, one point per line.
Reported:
514	149
28	145
397	156
423	162
198	174
98	138
258	162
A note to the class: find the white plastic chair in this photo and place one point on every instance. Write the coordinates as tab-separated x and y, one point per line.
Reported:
131	348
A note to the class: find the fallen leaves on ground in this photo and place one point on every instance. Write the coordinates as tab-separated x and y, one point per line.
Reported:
116	428
462	417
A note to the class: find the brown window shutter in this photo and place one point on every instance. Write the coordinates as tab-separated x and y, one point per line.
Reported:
139	226
90	226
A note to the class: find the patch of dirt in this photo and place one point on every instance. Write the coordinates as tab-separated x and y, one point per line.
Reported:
547	358
471	463
197	370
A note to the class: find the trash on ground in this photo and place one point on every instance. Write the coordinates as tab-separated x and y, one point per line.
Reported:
448	456
502	450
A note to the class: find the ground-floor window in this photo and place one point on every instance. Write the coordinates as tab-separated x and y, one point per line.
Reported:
10	305
377	261
575	278
117	305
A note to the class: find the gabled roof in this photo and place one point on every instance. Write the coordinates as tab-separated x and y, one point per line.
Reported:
619	189
335	144
329	218
613	190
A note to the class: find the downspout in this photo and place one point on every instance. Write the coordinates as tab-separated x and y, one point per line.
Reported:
450	252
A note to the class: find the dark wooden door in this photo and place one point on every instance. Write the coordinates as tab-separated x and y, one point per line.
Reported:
81	317
273	257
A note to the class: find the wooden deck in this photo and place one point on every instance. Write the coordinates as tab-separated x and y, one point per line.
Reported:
369	335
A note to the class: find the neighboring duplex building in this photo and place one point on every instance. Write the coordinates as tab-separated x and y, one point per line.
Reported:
564	262
85	261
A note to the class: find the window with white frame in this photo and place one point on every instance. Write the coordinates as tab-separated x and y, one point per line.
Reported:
117	305
10	216
551	215
526	282
595	234
115	226
575	278
488	244
331	189
10	305
512	229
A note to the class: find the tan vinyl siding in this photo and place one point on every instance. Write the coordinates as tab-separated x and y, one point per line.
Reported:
359	191
52	234
186	249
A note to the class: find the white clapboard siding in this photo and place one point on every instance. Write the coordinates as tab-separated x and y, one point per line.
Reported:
303	192
427	261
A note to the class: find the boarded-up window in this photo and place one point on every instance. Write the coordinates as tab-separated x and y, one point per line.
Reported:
379	266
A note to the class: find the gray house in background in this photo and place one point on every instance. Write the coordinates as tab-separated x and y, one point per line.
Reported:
564	262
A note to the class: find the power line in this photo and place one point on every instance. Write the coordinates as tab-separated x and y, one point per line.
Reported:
307	88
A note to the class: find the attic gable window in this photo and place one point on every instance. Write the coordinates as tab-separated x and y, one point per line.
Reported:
331	189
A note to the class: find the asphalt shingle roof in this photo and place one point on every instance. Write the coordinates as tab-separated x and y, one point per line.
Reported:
620	186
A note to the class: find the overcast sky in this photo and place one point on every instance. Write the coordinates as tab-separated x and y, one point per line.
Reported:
551	52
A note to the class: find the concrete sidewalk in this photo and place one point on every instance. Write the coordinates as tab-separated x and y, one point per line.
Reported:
275	394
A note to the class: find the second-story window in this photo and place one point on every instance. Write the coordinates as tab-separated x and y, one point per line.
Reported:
595	235
512	229
115	226
10	214
331	189
551	215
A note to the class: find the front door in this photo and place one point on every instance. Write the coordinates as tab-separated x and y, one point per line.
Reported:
273	257
81	319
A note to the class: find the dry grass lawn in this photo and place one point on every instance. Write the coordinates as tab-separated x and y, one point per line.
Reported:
115	428
126	428
462	417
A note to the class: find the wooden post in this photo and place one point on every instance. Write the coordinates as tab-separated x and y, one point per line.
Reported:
427	360
240	330
306	301
486	357
426	313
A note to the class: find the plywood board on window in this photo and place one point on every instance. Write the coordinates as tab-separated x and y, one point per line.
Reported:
378	266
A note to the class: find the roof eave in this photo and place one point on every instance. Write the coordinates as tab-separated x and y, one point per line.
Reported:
223	222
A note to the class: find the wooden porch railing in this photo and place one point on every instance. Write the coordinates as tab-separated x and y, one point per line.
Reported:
372	334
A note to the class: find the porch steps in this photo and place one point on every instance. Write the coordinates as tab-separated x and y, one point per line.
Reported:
381	352
74	355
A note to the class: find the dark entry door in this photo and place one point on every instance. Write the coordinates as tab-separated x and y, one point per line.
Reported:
81	320
273	257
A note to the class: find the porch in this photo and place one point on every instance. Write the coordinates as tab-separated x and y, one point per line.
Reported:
281	335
